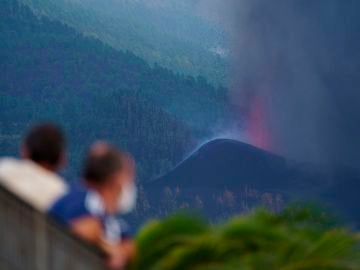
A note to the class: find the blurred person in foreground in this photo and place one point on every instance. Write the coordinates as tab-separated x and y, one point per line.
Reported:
91	209
33	178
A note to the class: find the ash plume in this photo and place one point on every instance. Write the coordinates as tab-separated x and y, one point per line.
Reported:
301	59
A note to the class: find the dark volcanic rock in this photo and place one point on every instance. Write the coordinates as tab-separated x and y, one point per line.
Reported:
224	163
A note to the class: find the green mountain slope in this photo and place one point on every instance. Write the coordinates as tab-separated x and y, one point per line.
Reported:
49	71
138	25
169	32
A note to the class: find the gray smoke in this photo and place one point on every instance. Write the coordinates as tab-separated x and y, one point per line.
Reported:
302	57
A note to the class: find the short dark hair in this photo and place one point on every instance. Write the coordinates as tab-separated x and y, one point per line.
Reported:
45	143
100	165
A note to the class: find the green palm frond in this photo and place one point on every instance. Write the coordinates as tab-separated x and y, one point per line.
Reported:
157	239
297	239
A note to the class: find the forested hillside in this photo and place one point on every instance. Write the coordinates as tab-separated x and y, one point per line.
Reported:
170	33
49	71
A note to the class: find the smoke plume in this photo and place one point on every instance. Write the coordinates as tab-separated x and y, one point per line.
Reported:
296	76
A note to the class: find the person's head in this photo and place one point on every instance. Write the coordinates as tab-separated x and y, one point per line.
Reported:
45	145
112	172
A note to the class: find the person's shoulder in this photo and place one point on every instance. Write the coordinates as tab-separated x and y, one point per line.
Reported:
77	202
7	160
27	180
13	173
21	169
9	164
43	175
73	197
94	204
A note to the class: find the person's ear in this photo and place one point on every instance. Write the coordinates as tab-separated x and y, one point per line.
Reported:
24	152
63	160
117	181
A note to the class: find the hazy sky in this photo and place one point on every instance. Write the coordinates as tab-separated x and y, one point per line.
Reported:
301	60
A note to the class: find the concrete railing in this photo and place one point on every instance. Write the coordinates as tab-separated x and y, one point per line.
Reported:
29	240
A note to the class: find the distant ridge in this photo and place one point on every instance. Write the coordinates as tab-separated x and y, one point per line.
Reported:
51	72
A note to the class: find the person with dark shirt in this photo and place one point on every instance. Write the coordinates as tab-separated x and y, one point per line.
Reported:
91	209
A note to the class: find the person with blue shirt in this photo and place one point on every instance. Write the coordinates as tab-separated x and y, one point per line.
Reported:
91	209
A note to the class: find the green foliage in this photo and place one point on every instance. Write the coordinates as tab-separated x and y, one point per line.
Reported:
173	232
291	240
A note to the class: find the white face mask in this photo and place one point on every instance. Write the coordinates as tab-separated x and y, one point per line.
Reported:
127	199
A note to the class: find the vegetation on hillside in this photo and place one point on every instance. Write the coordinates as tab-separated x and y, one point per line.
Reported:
298	238
51	72
170	33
